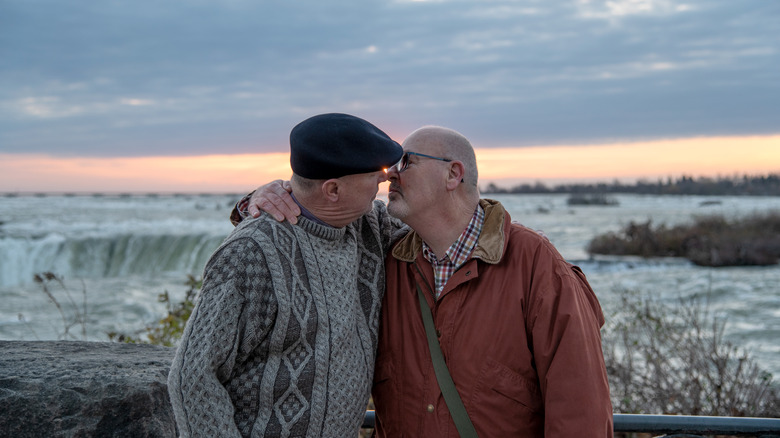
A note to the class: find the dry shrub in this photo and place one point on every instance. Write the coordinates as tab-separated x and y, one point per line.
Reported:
673	359
708	241
73	314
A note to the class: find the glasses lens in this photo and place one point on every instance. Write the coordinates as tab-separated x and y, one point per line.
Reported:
403	163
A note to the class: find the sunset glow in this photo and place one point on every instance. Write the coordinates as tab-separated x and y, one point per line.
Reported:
505	167
718	156
201	174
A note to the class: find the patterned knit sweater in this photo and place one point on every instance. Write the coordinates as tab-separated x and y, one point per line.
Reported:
283	337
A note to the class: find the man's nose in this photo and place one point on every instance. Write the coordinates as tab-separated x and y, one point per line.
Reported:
392	173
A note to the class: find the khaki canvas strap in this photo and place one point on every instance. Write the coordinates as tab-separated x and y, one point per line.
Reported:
447	386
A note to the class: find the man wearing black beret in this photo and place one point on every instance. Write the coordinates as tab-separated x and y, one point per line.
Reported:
283	338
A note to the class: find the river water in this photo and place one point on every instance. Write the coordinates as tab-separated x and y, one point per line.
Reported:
118	253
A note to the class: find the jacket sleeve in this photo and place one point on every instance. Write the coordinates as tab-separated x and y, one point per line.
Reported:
240	211
566	319
212	343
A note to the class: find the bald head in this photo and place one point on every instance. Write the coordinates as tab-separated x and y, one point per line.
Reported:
448	143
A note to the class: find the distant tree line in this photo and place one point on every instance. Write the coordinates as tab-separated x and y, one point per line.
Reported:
746	185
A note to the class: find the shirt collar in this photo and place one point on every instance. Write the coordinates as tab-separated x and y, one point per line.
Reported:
462	248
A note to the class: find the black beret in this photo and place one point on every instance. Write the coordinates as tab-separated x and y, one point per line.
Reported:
333	145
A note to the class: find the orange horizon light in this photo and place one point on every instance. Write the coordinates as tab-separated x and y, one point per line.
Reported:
715	156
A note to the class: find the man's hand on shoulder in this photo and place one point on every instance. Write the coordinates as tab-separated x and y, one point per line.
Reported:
274	198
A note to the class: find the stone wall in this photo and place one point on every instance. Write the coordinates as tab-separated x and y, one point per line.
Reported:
84	389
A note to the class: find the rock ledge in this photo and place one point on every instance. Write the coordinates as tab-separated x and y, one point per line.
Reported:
84	389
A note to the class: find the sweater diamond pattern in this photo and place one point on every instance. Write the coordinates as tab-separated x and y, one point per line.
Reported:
283	338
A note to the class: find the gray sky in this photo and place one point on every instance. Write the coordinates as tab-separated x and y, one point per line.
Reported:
191	77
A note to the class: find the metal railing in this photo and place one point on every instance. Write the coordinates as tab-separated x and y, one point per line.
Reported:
679	425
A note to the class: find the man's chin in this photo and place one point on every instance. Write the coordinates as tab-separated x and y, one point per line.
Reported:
394	208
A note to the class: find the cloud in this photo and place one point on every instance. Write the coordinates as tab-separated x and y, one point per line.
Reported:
134	78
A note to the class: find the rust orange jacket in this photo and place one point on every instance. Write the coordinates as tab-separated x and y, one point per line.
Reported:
519	329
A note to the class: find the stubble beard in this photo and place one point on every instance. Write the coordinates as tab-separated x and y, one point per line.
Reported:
395	207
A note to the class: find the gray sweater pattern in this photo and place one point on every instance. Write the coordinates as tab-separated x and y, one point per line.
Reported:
283	337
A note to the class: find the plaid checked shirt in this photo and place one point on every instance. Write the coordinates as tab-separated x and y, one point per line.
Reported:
458	253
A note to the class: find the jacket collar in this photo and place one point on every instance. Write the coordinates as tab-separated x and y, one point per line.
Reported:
490	245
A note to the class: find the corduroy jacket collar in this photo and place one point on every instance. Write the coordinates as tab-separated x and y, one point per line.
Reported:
490	245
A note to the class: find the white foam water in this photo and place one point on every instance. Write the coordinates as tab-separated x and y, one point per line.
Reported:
118	253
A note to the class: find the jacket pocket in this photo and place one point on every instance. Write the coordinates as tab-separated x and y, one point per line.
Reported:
383	371
501	382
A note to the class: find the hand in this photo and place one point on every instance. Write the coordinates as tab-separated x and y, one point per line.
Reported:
274	198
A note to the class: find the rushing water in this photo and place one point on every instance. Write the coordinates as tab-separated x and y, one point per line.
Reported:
118	253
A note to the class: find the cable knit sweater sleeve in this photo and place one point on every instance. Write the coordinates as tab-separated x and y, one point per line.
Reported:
217	335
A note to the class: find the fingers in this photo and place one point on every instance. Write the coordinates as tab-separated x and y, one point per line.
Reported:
253	208
275	200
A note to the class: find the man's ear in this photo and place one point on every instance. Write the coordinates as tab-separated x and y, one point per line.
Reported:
456	174
330	189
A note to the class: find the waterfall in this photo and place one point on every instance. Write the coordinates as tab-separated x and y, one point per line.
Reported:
102	257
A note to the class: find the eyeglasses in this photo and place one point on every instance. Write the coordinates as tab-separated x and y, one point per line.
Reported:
404	163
